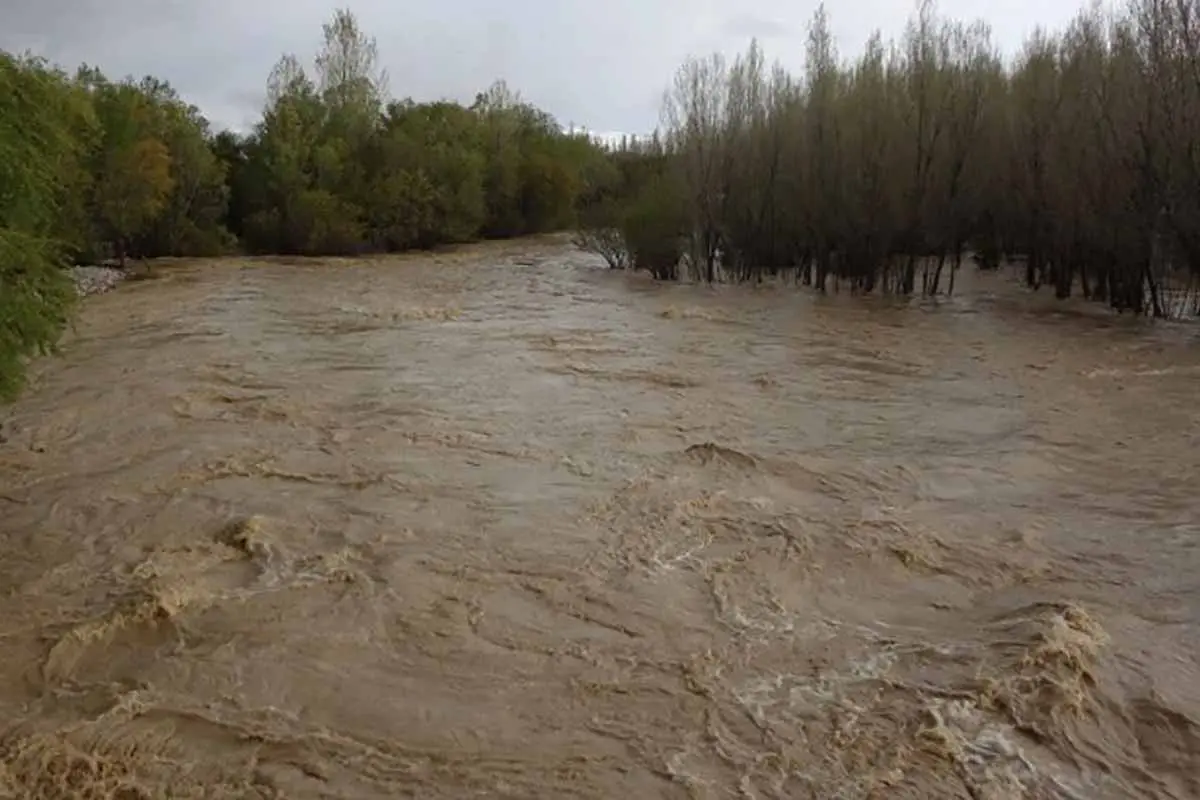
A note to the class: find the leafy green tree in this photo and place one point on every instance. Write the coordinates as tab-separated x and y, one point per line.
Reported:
132	165
232	153
430	174
500	115
191	221
36	150
282	157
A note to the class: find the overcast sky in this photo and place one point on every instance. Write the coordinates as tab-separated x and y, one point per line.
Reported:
600	64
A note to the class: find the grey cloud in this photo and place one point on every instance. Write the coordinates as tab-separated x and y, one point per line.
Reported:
601	65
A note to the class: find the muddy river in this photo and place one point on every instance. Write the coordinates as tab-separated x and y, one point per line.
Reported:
499	523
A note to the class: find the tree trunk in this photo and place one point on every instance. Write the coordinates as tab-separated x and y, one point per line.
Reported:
936	283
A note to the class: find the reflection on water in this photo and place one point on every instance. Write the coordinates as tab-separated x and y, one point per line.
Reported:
450	526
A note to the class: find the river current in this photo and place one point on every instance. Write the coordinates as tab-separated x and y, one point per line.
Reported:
500	523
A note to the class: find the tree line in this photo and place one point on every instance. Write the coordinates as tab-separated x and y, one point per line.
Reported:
93	168
1079	159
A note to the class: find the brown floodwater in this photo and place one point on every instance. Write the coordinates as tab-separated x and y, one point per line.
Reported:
500	523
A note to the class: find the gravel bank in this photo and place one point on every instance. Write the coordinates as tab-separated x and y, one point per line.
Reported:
96	280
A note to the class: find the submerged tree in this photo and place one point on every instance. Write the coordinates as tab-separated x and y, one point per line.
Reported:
1078	158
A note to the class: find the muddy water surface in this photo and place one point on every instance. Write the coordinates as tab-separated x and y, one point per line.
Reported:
501	524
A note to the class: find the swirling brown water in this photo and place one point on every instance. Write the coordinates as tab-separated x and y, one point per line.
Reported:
501	524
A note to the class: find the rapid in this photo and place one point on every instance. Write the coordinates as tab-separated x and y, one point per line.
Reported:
498	522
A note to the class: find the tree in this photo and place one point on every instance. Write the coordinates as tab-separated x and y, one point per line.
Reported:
36	149
694	111
133	174
1080	158
191	220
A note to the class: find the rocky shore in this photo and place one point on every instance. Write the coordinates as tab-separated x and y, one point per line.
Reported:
96	280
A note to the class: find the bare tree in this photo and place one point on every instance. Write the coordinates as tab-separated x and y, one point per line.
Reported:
694	114
348	70
1080	157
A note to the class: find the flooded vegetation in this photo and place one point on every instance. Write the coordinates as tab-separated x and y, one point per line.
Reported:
883	172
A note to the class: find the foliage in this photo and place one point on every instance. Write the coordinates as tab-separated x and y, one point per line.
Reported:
334	167
38	114
132	165
655	227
